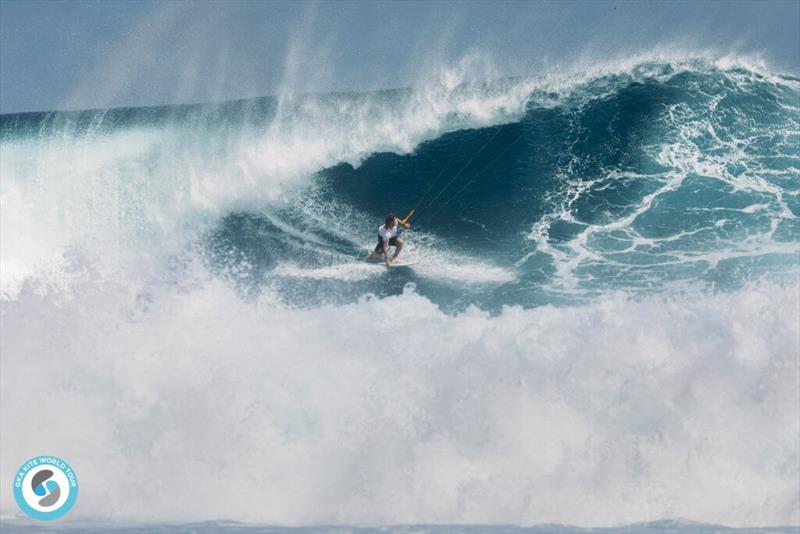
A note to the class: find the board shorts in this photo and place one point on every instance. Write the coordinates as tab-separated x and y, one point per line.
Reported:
379	246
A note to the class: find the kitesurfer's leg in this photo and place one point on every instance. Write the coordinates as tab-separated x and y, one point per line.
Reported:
377	252
398	246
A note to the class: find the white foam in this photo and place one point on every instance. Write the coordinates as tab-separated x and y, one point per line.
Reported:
190	404
455	268
343	271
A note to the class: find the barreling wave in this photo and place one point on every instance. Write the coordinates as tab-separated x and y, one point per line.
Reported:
602	326
636	180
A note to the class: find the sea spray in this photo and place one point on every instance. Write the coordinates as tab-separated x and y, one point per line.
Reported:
391	411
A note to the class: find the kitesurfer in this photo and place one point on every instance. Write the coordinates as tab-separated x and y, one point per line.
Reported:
389	236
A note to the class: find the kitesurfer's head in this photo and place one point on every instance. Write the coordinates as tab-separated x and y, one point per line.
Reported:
390	220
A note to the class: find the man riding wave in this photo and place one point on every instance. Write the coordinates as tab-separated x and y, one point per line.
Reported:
389	236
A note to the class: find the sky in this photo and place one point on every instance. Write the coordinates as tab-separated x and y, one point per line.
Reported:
89	54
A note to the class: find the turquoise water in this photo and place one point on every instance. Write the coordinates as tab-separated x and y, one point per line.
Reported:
644	180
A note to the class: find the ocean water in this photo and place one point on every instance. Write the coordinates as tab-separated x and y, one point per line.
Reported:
602	329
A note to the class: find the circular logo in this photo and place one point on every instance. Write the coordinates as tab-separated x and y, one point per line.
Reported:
45	487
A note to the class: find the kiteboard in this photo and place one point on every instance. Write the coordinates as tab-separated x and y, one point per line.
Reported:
398	263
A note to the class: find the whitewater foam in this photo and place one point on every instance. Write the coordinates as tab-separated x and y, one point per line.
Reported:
390	411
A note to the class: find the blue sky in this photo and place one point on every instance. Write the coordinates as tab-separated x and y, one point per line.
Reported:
72	55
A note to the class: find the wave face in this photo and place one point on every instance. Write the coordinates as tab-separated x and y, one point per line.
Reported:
526	194
602	326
